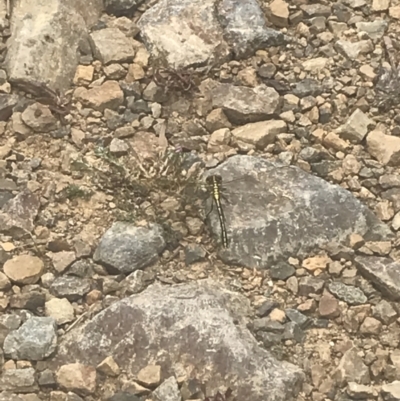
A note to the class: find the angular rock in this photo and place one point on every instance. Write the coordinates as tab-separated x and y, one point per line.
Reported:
375	29
384	274
279	211
242	104
70	287
260	134
7	103
351	368
279	13
35	340
385	148
352	50
106	96
184	32
112	46
168	390
244	27
18	380
18	214
60	310
55	38
78	378
126	247
391	391
39	118
356	127
182	315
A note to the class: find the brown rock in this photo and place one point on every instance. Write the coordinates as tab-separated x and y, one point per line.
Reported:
371	326
279	13
78	378
106	96
24	269
150	376
385	148
328	306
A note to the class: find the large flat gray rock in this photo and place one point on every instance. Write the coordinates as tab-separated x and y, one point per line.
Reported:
44	42
277	211
199	325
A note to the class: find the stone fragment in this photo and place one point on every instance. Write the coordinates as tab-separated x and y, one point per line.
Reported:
62	260
279	13
35	340
39	118
242	104
356	127
60	310
78	378
375	29
328	306
319	262
106	96
112	46
150	376
383	272
126	247
371	325
380	5
352	50
83	75
347	293
24	269
70	287
351	368
385	148
109	367
260	134
18	380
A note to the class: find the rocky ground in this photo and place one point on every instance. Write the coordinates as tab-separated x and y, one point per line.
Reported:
122	145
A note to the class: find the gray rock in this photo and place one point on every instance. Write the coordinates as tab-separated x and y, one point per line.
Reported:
112	46
347	293
351	369
375	29
266	324
70	287
35	340
293	332
282	271
55	38
126	247
18	214
200	320
384	273
242	104
316	10
297	317
245	29
39	118
121	7
168	390
356	127
352	50
280	211
384	312
308	87
310	285
18	380
7	102
167	25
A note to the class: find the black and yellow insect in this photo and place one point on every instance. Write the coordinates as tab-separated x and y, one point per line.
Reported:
214	184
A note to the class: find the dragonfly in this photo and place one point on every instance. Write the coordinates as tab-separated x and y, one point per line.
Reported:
217	190
214	183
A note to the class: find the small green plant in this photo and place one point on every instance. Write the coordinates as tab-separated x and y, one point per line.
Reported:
74	191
